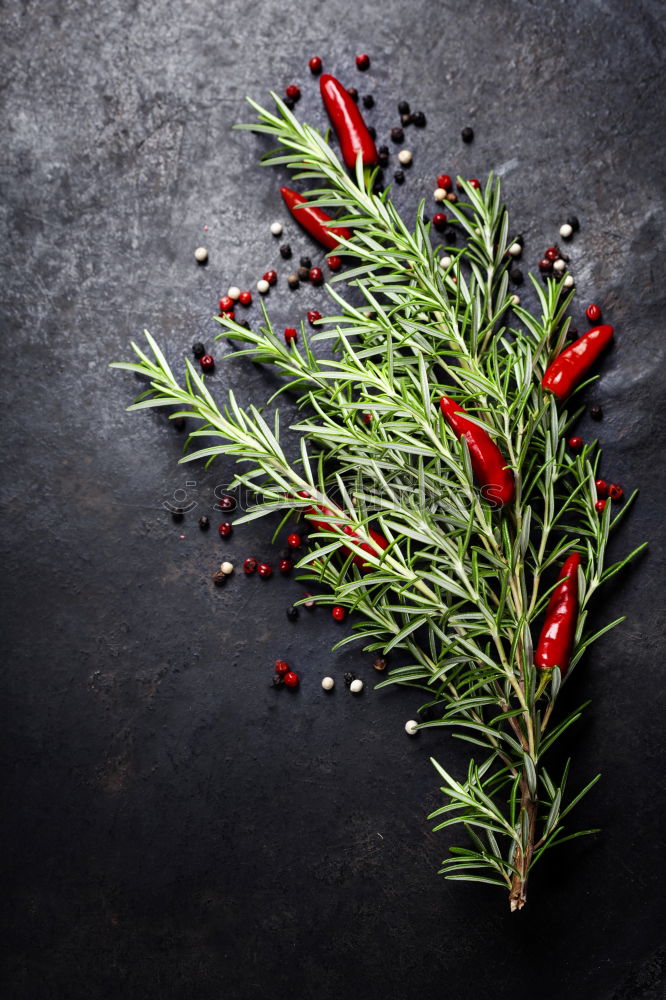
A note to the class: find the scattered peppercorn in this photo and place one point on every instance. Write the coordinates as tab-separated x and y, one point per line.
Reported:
225	529
201	255
572	333
306	262
204	523
339	613
249	566
452	196
596	412
356	686
276	681
285	251
281	667
226	502
574	223
313	316
383	156
245	298
353	93
399	177
198	349
289	102
226	303
403	108
445	182
473	182
601	487
270	276
372	132
334	262
593	313
292	281
219	578
566	231
363	61
327	683
405	156
227	568
303	273
576	443
315	65
291	679
294	541
178	514
316	275
439	220
264	570
467	134
178	423
552	253
263	286
349	677
207	363
292	613
615	492
285	565
545	265
600	506
379	663
516	275
290	333
293	91
419	119
368	101
397	135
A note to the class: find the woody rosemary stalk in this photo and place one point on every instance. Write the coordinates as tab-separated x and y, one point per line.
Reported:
461	583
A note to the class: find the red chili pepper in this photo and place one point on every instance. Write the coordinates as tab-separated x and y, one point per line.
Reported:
488	462
314	513
315	222
348	123
569	367
559	628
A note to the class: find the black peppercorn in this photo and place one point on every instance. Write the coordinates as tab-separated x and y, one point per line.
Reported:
399	176
204	523
303	274
397	135
596	412
379	663
349	677
353	93
516	276
292	613
306	262
276	681
285	251
450	235
372	131
177	514
574	223
426	219
289	102
419	119
404	108
406	119
368	101
467	134
382	159
292	281
198	349
244	323
178	423
219	578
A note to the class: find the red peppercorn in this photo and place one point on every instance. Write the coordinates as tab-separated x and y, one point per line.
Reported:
264	571
600	506
281	667
207	363
335	263
615	492
225	529
339	613
293	91
552	253
249	566
270	277
363	61
313	316
285	565
245	298
291	679
367	418
593	313
315	65
294	541
601	488
316	275
290	333
226	304
576	443
545	265
445	182
439	220
473	182
228	315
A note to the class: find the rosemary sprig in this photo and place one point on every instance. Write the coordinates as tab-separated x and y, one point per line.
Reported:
459	587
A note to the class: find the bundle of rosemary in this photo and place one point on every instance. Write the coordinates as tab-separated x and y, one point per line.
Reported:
462	583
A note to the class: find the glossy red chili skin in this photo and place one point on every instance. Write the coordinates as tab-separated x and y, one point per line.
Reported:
315	513
559	628
351	130
489	465
314	221
570	367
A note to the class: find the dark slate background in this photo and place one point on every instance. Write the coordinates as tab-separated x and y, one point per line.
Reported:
173	827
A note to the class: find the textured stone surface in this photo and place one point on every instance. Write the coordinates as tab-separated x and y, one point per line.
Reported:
173	826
